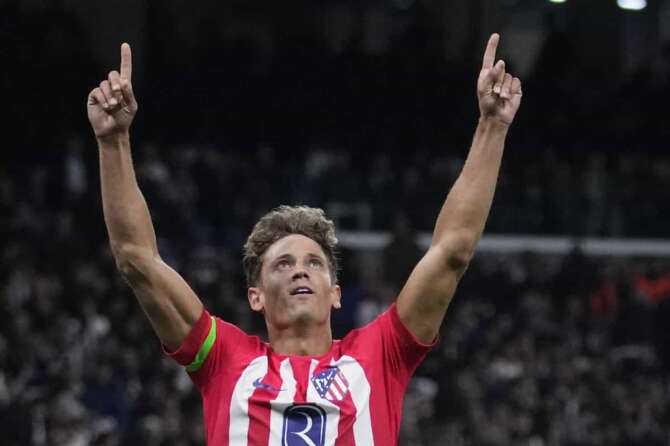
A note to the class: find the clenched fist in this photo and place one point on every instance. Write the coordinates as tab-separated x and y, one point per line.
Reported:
112	105
499	92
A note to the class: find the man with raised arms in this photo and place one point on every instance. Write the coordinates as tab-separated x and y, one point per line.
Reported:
302	388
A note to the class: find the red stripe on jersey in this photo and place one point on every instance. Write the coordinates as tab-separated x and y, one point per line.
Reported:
300	366
345	431
259	417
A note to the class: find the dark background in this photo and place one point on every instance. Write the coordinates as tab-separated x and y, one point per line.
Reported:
366	109
383	90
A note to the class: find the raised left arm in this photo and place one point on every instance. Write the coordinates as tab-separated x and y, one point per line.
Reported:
424	299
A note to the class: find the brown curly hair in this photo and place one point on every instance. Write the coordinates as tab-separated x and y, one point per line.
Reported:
283	221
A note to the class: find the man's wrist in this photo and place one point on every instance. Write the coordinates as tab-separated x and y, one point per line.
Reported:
114	141
493	124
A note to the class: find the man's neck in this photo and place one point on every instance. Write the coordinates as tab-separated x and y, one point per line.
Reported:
312	341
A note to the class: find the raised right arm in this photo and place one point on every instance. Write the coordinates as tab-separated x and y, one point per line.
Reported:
170	304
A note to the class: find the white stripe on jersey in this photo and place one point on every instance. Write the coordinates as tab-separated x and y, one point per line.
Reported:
359	388
332	411
284	399
239	402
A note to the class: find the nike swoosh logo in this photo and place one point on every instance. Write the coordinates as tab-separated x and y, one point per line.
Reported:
259	385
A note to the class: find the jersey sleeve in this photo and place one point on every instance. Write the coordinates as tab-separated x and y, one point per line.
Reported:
402	351
211	345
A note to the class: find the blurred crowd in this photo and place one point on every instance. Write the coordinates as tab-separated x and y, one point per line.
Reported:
536	350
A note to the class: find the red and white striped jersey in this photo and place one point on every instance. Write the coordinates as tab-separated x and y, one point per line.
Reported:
352	395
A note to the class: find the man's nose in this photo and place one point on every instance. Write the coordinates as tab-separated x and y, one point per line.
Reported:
300	273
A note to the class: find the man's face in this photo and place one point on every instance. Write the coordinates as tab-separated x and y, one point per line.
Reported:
295	284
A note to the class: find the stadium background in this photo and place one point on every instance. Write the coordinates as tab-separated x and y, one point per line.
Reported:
364	108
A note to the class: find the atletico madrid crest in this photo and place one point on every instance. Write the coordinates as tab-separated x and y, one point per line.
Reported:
331	384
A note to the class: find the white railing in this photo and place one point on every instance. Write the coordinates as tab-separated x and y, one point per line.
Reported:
500	243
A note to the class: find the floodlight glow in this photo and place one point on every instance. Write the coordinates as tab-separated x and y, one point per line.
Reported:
556	1
632	5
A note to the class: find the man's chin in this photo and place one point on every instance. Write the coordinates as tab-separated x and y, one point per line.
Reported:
304	314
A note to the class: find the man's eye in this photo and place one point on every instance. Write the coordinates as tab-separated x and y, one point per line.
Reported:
315	263
282	264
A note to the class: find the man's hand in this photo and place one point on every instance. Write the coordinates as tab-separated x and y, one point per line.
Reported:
499	93
112	105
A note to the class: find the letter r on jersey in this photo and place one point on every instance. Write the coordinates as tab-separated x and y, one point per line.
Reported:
304	425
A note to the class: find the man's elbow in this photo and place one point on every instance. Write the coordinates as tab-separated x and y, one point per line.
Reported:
458	249
132	261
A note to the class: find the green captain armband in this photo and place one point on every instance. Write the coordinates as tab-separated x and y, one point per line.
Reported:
204	349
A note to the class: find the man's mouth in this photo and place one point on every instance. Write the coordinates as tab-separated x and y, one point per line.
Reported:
301	290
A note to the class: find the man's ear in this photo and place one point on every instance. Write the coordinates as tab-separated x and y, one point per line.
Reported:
256	299
336	298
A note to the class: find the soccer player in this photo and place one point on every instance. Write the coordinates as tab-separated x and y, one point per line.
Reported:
302	388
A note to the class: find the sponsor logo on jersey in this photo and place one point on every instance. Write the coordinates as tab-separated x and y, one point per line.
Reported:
304	425
331	384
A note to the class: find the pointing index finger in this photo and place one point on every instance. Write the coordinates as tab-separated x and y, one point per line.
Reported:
126	62
490	53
